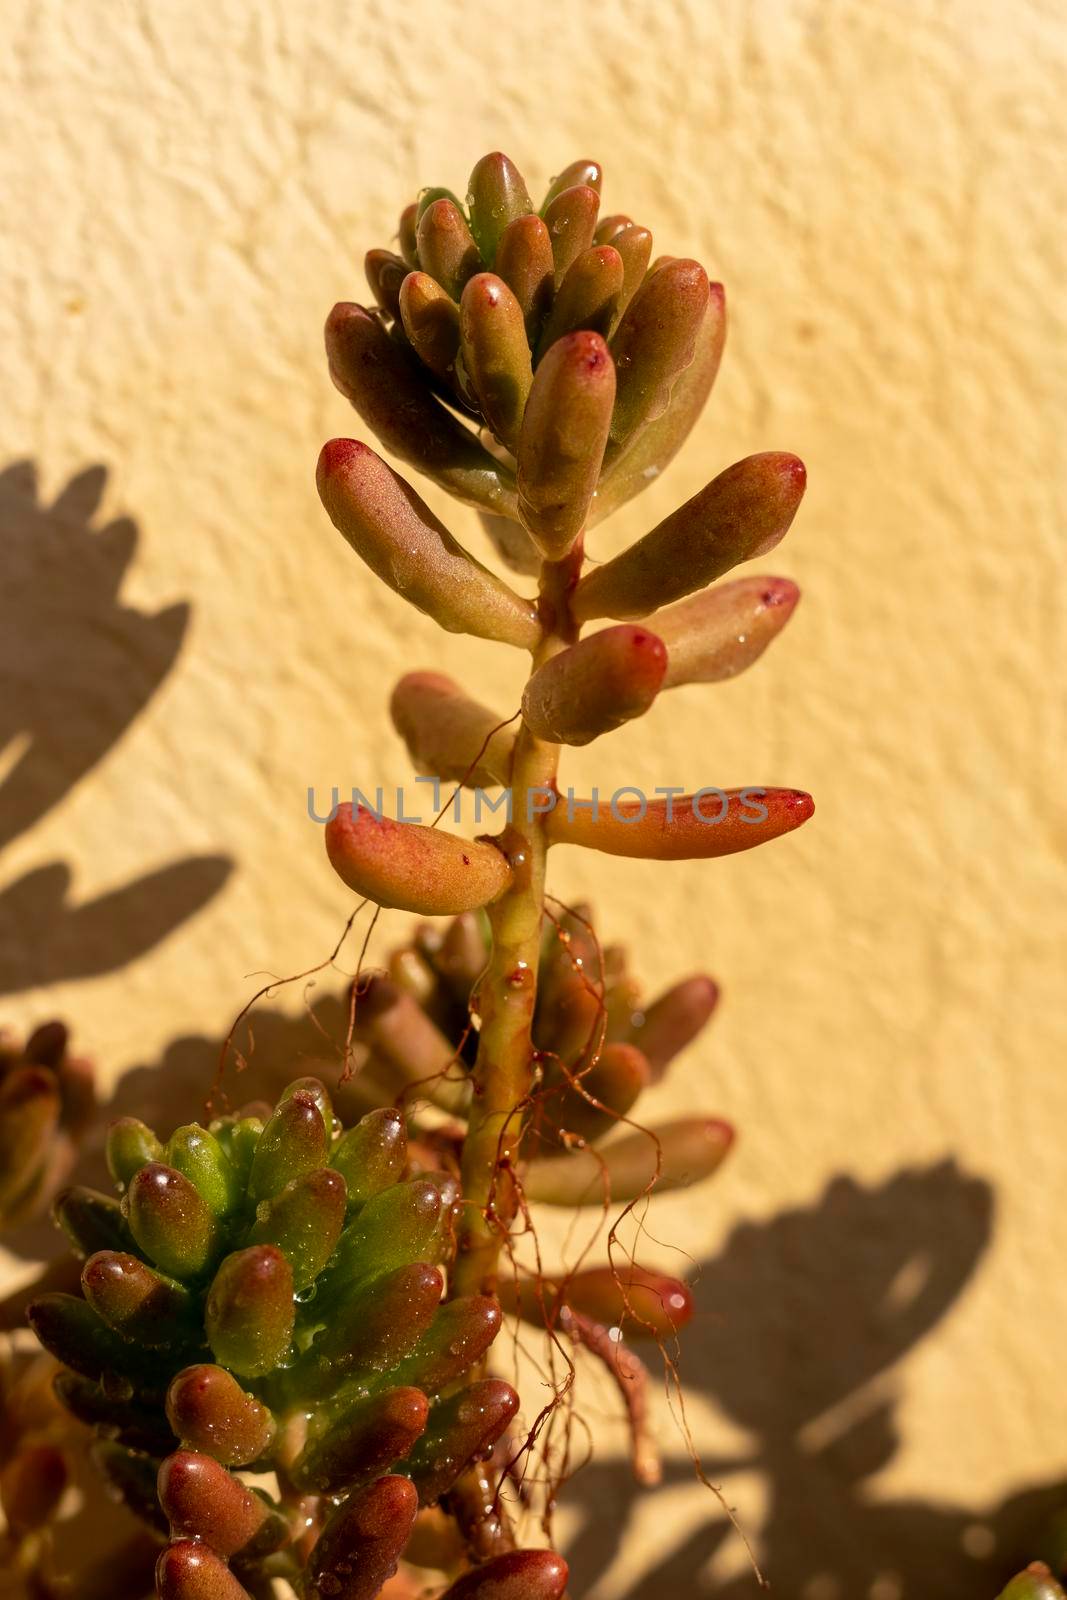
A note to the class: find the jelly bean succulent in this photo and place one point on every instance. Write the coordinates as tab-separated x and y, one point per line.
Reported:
285	1324
540	366
266	1297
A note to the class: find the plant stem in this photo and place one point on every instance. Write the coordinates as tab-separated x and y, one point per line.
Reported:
504	1069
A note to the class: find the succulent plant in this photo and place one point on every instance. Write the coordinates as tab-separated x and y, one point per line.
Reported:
537	366
47	1102
266	1298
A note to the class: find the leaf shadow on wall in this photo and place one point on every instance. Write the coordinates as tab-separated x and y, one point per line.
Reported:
798	1324
77	667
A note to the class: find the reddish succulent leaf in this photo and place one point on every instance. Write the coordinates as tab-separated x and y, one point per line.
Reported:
655	342
249	1313
689	1150
588	297
447	250
304	1222
673	1021
742	513
397	535
32	1484
461	1428
388	388
171	1222
362	1543
415	1054
634	245
134	1300
461	1333
294	1141
202	1501
643	1303
564	432
496	355
188	1570
524	261
717	634
596	685
632	467
712	822
570	218
1036	1583
515	1575
385	274
29	1116
608	228
602	1093
431	322
210	1412
380	1328
411	867
371	1156
406	233
363	1438
584	171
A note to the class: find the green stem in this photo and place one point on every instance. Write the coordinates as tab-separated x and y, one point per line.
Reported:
504	1070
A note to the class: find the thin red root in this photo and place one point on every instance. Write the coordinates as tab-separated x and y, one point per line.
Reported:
631	1378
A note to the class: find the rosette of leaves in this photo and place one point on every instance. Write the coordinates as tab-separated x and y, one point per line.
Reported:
47	1103
265	1298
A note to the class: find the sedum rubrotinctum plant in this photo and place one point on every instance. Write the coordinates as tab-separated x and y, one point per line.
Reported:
284	1324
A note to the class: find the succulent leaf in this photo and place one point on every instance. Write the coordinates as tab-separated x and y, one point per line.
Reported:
596	685
401	540
673	1156
496	355
742	513
496	197
515	1575
564	433
449	735
711	822
718	633
570	217
387	386
412	867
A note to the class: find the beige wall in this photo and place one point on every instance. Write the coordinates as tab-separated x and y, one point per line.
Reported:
880	184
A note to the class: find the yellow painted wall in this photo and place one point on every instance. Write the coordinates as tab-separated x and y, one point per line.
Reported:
881	186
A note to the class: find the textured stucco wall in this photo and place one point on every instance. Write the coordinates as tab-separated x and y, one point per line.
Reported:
878	183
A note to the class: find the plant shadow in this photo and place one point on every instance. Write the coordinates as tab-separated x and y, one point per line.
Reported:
799	1324
78	665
